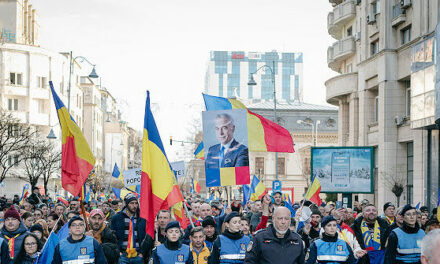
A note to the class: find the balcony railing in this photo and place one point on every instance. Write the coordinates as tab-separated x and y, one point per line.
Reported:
341	14
339	51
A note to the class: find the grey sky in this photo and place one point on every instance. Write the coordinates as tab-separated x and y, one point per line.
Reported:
164	46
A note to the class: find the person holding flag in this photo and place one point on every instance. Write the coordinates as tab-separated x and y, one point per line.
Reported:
130	230
78	248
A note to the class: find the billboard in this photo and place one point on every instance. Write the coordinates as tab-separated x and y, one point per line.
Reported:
343	169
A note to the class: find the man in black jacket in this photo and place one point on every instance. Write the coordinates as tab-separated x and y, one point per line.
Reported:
376	230
105	236
276	244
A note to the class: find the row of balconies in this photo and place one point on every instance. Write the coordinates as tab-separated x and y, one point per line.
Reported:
32	118
342	13
340	51
35	93
340	86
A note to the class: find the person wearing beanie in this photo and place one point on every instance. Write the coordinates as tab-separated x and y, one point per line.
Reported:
129	219
100	231
209	227
172	250
38	230
388	211
4	251
404	243
230	246
78	247
13	231
330	248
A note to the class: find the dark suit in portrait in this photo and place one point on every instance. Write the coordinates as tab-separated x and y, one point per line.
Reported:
236	155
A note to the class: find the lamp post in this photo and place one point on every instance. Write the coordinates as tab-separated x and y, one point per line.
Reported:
309	122
92	74
252	82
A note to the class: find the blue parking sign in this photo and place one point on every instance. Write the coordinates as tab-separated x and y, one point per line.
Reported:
276	186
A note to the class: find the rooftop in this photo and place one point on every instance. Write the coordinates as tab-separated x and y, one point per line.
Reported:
299	106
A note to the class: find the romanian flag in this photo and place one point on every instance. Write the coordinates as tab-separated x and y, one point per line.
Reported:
24	193
263	134
158	188
62	199
179	214
196	186
77	160
118	175
314	191
200	153
258	190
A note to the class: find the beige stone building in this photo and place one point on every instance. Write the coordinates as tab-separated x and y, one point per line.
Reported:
373	90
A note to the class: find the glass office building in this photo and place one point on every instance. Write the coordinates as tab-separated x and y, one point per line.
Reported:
228	74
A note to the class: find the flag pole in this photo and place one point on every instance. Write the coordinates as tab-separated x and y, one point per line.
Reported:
187	213
83	212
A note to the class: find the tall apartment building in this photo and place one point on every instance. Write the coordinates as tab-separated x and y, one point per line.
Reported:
375	91
228	72
19	22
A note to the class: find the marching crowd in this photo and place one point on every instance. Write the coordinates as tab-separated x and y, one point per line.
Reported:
262	231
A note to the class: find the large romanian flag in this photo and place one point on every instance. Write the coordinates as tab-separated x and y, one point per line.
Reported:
77	160
263	134
158	188
258	189
314	191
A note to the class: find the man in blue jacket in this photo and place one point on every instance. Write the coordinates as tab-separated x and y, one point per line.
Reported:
13	231
121	224
229	153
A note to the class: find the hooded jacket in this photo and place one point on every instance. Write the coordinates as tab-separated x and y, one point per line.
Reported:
21	232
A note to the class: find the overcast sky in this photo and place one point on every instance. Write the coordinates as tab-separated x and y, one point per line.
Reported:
164	45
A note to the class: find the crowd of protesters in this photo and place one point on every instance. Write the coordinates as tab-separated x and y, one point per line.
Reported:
262	231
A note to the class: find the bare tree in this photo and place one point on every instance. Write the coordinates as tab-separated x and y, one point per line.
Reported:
39	160
395	181
52	164
14	140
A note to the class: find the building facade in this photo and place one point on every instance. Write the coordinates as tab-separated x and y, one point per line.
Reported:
228	75
374	90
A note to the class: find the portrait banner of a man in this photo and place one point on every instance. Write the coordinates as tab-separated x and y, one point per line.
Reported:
225	136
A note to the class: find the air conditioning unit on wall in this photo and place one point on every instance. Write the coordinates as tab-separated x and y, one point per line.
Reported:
371	19
405	3
357	36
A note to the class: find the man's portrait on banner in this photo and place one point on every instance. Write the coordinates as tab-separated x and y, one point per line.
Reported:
225	135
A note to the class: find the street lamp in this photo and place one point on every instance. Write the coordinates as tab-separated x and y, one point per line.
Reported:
92	74
309	122
252	82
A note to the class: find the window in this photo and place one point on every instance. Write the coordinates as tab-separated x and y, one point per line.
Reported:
16	78
282	166
13	160
41	82
259	165
405	35
374	46
349	31
13	104
376	109
409	171
13	130
408	98
349	68
375	7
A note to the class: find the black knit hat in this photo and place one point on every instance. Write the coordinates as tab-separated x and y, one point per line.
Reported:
385	206
36	227
230	216
406	208
172	224
327	219
75	218
209	220
315	211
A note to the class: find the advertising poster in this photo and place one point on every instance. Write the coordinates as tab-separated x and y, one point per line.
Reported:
343	169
